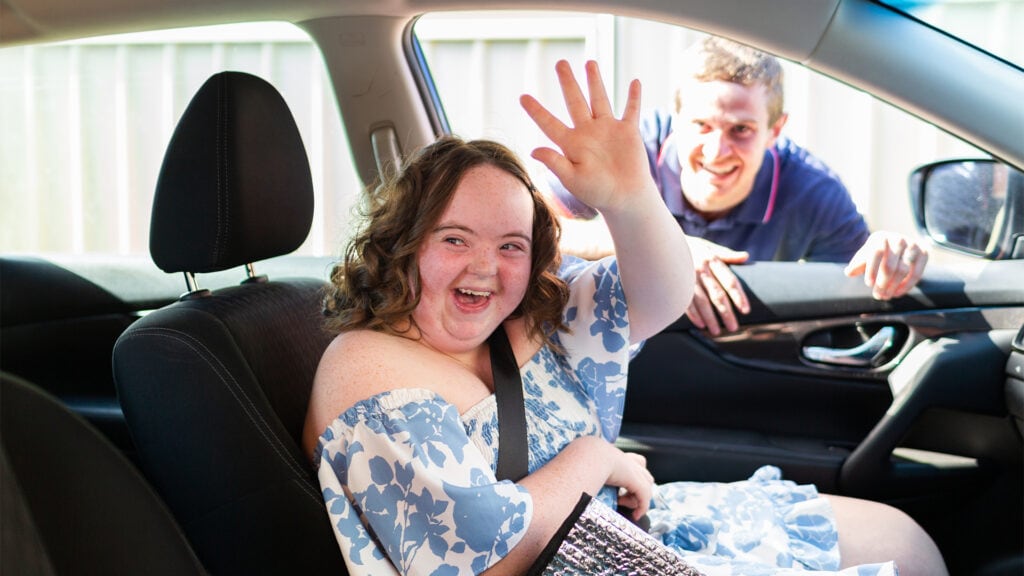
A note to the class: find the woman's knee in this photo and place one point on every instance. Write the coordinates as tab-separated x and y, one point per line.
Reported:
872	532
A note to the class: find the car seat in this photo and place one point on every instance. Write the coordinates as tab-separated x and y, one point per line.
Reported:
214	387
71	502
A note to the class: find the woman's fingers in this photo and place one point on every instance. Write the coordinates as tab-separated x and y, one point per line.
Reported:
599	103
631	113
575	101
551	126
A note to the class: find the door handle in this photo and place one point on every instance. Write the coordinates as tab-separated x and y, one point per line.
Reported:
867	355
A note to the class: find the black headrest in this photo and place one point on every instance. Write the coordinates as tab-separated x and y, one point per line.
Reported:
235	185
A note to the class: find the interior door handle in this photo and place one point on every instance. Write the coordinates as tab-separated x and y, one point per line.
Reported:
867	355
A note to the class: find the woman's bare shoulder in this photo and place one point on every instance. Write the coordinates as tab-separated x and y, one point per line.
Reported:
361	349
355	366
366	362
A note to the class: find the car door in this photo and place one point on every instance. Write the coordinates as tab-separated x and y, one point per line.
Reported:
813	372
918	417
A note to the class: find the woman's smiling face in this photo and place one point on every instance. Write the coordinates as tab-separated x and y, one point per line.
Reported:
474	266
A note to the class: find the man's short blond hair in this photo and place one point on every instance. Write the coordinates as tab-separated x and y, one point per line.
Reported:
716	58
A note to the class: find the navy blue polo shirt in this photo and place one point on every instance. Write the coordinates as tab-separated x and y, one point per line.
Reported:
797	210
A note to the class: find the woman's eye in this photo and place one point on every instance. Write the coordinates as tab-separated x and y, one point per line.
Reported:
515	247
454	241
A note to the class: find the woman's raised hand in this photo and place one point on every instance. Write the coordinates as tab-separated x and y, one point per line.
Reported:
602	160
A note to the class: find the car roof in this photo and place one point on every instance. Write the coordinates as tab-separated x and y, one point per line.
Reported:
792	28
860	42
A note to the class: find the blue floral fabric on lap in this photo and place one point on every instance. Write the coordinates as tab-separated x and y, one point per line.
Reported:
761	526
410	486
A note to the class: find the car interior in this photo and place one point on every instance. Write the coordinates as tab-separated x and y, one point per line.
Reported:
168	390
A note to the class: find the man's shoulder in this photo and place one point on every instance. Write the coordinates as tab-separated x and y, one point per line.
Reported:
794	157
801	172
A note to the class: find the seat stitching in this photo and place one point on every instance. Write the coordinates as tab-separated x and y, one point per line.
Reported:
221	163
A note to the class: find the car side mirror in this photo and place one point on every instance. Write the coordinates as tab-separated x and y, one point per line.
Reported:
974	206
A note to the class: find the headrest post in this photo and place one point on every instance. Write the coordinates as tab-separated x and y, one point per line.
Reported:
251	277
190	282
193	288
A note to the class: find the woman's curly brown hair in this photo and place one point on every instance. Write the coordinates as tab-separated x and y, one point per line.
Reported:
374	286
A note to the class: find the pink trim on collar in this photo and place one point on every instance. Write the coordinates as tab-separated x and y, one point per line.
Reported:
775	186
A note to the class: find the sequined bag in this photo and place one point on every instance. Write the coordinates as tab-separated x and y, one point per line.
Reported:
596	540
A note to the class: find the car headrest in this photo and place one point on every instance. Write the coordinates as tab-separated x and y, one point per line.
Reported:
235	185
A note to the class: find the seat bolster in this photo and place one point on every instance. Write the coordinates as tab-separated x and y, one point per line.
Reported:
93	511
210	437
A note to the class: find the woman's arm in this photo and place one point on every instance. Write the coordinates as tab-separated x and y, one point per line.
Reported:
586	465
604	164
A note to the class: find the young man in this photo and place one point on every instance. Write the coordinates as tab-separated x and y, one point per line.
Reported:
742	192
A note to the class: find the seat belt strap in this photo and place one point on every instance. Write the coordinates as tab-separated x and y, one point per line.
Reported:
513	448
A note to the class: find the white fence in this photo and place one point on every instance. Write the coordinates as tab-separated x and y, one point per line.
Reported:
85	123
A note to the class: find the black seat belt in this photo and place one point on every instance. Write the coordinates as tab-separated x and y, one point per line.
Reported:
513	447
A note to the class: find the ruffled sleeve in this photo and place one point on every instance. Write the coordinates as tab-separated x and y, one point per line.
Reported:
402	482
598	349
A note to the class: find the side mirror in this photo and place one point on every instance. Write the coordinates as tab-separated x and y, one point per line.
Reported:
972	206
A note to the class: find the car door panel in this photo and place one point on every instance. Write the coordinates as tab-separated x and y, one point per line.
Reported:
715	408
58	331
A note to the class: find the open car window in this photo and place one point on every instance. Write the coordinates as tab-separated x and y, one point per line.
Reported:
86	124
872	145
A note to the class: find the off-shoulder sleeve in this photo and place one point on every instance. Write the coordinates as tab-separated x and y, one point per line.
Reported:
597	348
418	491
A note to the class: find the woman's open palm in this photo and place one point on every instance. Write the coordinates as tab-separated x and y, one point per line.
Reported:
602	160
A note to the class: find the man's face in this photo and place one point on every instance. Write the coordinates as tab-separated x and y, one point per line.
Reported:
722	133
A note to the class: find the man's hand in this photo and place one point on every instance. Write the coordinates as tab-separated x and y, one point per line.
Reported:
718	294
891	264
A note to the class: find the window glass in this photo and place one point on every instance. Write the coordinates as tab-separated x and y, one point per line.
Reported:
86	124
871	145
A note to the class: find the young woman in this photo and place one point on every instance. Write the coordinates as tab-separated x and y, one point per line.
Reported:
403	421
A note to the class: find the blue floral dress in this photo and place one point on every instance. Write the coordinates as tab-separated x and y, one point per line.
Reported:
410	488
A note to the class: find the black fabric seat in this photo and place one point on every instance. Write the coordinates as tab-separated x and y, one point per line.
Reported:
214	387
71	502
